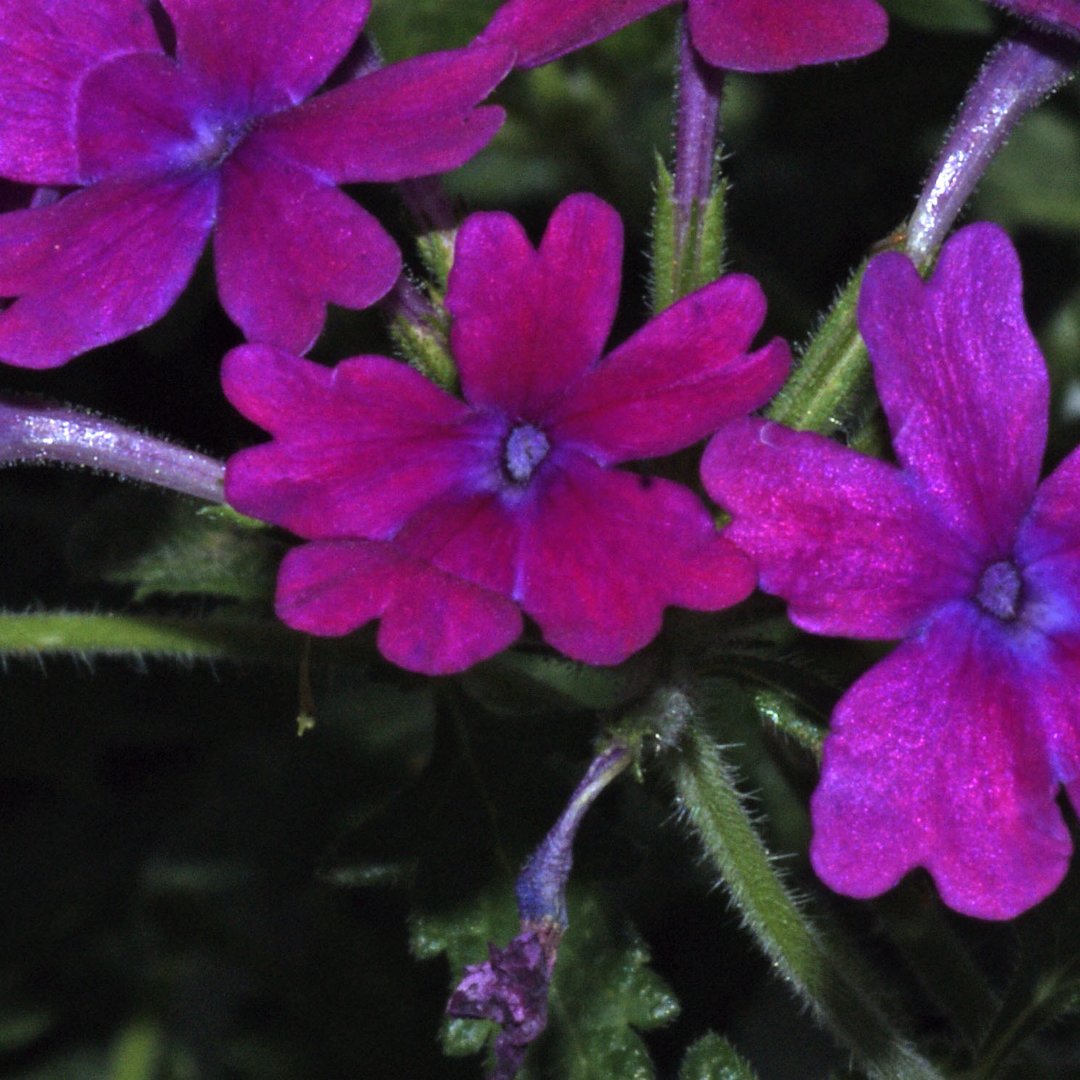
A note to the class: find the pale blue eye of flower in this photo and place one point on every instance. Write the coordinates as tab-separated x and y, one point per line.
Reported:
526	447
999	588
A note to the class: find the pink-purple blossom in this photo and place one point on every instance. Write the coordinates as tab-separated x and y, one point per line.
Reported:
448	517
740	35
164	123
949	753
1061	15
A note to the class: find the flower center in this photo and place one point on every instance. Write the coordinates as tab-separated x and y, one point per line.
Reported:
999	589
526	446
215	141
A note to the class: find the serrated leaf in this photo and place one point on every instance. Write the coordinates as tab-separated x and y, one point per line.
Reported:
169	548
603	991
712	1057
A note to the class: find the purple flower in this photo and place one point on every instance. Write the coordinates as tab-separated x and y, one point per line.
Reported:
741	35
163	145
507	501
949	753
1062	15
511	989
511	986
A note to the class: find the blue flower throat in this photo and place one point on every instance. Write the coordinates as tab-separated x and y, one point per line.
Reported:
526	446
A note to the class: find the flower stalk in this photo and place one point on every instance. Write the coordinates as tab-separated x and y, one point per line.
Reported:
37	433
1017	76
818	969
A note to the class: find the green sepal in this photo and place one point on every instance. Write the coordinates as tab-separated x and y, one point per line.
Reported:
712	1057
679	268
425	346
833	373
436	251
786	716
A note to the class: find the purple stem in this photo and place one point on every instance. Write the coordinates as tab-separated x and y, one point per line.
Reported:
1018	74
36	432
406	300
697	127
541	886
429	204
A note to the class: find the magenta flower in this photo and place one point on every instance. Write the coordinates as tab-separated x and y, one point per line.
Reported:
449	517
949	753
1062	15
221	133
740	35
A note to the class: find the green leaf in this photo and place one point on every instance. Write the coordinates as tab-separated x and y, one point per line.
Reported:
1033	180
712	1057
169	547
948	16
419	26
603	992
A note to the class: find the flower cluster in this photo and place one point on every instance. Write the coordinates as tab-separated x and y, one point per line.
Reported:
135	132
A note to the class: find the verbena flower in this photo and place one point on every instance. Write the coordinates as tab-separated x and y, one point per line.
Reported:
449	517
209	125
949	753
741	35
1062	15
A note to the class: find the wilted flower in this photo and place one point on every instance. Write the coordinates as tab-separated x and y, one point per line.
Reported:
510	988
449	518
741	35
168	130
949	753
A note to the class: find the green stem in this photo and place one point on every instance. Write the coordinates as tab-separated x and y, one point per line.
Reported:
78	633
833	375
813	966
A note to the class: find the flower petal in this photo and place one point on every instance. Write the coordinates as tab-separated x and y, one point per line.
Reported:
414	118
1048	552
775	35
158	137
527	323
262	57
431	622
541	30
607	551
677	379
98	265
359	448
46	49
850	544
956	368
323	247
935	760
477	536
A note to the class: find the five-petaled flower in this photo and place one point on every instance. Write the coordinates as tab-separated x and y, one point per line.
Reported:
449	517
174	119
949	753
740	35
1060	15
